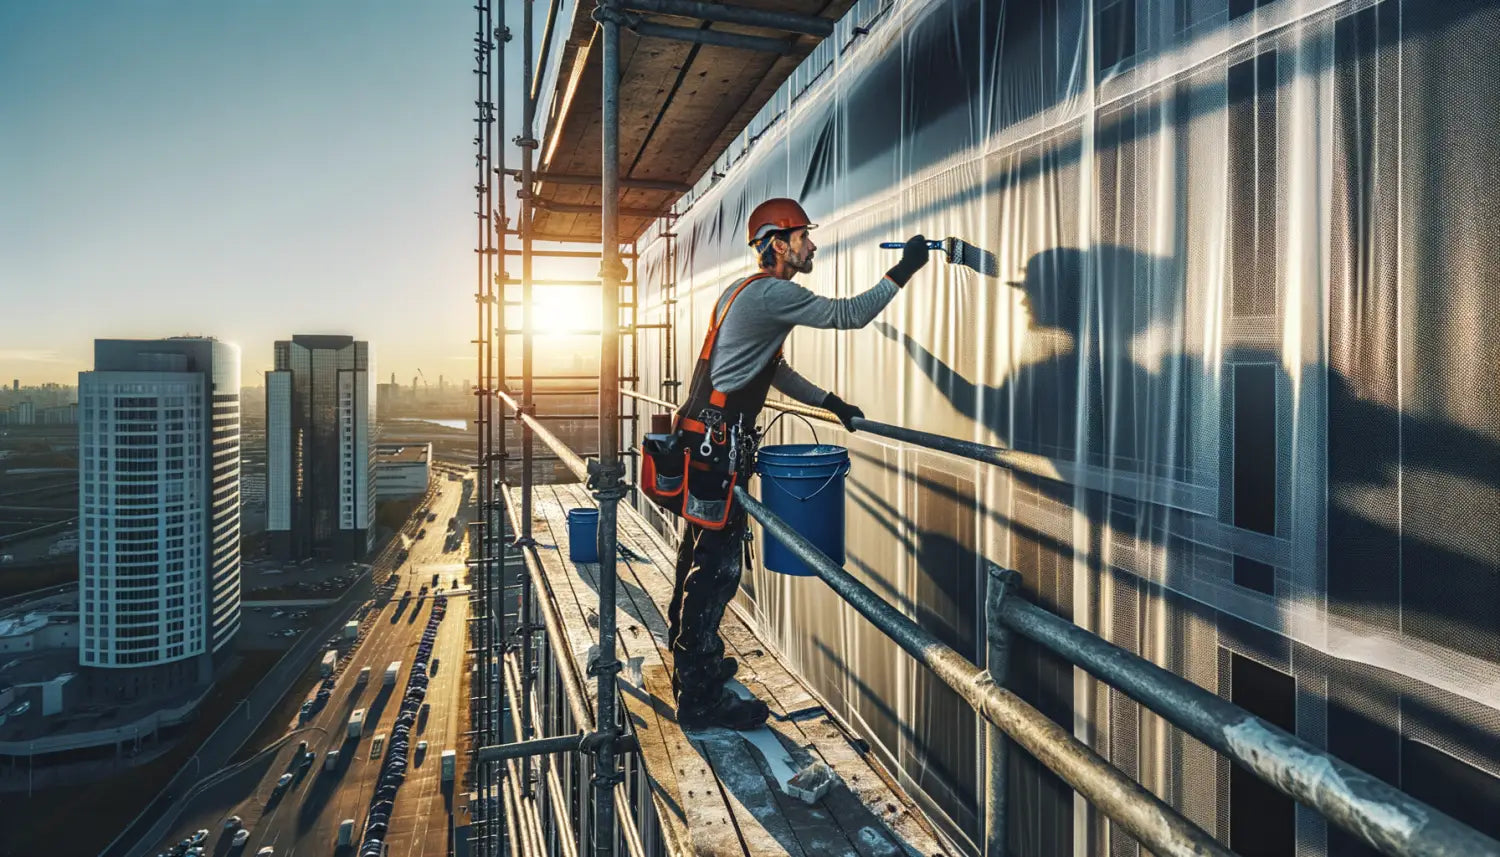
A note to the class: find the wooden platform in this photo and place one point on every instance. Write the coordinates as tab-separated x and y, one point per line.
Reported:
717	792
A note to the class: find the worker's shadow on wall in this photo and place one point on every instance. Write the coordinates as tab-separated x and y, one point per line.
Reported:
1124	343
1036	408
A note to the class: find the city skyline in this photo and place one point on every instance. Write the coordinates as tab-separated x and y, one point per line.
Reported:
299	174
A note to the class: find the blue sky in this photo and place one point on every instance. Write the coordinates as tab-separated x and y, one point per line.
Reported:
244	170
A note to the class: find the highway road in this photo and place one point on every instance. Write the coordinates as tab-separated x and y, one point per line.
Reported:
305	819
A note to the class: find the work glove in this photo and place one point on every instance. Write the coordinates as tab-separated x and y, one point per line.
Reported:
843	410
913	257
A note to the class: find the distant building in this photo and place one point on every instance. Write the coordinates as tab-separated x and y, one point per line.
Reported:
15	385
253	489
22	414
320	431
402	470
159	524
37	630
60	415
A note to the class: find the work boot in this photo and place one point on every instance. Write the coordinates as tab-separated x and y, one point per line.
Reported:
725	671
729	711
727	668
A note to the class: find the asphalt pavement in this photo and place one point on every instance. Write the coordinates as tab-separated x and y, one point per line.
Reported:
304	820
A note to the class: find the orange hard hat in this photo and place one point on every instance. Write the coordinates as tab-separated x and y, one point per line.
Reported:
776	215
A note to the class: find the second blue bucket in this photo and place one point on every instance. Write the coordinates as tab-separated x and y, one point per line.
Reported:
583	532
803	483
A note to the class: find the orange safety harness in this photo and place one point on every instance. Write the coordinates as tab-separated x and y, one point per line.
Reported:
693	470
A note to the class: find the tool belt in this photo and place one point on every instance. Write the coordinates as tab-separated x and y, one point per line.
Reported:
693	470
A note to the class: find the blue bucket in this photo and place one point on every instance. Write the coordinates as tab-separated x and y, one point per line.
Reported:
803	483
583	531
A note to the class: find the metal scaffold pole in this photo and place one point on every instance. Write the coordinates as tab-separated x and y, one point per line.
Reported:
528	145
606	472
496	640
487	824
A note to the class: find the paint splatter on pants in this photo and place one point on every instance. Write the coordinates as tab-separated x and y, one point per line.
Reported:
709	563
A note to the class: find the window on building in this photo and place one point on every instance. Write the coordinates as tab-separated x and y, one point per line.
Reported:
1253	221
1262	820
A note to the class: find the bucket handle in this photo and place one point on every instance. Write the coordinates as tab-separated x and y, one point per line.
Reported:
810	427
837	474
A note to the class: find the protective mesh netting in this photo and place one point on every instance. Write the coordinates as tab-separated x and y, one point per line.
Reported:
1242	326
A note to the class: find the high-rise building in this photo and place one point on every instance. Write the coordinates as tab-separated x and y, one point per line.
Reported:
320	462
15	385
159	510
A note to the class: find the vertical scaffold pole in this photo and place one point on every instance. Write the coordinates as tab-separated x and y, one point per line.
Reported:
528	147
495	518
606	477
486	824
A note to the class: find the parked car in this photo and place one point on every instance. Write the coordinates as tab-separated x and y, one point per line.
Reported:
233	822
240	838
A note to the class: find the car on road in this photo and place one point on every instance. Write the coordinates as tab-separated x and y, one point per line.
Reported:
283	782
421	749
240	838
200	836
233	822
267	851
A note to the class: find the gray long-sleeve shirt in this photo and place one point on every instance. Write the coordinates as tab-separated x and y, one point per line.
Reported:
763	316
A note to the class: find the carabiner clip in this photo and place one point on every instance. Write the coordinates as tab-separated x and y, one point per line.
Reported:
707	449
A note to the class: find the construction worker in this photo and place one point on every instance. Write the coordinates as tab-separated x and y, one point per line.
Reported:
740	362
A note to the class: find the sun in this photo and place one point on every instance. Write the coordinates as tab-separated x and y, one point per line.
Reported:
562	311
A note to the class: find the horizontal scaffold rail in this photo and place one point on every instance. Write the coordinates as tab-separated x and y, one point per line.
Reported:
1147	817
565	454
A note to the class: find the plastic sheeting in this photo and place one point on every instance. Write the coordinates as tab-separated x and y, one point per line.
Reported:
1244	331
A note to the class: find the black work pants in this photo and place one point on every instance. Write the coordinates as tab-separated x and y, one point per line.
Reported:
709	563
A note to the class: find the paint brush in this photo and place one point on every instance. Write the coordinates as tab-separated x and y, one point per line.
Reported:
957	252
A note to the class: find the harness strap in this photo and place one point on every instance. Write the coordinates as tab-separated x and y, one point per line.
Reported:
715	322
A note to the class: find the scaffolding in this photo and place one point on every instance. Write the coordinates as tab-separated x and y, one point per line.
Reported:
563	786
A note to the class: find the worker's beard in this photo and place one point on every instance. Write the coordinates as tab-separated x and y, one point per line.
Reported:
804	266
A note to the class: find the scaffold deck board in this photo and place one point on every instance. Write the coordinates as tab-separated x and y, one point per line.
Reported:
714	819
715	792
870	810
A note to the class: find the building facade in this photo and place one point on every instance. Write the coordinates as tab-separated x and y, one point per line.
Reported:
1232	322
159	554
320	463
402	470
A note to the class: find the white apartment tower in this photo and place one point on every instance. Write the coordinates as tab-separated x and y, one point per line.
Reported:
320	456
159	511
